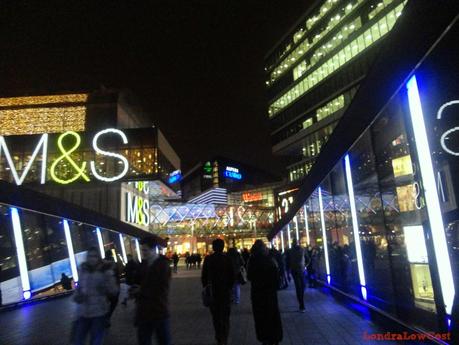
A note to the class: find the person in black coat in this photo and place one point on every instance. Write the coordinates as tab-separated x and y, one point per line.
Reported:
218	272
263	274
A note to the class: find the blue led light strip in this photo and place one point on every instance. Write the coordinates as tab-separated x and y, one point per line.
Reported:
101	243
324	235
22	261
355	227
431	195
123	249
68	239
137	249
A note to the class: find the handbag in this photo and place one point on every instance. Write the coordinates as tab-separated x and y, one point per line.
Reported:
242	276
207	296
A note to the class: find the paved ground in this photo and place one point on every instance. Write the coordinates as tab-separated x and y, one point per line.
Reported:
325	323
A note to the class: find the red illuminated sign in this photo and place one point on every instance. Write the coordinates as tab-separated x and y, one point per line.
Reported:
248	197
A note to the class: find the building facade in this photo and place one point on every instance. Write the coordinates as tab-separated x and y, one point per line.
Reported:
315	70
380	203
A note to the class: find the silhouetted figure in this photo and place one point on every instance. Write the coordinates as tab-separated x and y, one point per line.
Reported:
311	267
297	263
218	271
110	264
188	260
199	260
152	295
96	286
264	276
279	258
66	282
238	264
245	256
130	271
175	260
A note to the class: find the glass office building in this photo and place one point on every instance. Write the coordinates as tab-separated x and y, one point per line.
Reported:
381	206
314	72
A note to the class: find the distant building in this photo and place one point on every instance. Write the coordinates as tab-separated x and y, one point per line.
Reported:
223	173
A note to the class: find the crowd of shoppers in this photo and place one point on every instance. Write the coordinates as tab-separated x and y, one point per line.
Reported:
268	271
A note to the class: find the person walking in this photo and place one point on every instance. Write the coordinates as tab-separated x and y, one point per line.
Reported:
264	276
238	266
110	264
152	295
175	260
218	272
296	263
66	282
130	271
199	260
96	286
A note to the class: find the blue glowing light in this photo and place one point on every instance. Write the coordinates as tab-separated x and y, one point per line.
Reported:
431	195
175	177
233	173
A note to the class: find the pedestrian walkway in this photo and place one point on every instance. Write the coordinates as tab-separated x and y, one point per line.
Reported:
325	323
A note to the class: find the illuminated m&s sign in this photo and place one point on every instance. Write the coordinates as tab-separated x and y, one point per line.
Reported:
137	206
66	157
233	173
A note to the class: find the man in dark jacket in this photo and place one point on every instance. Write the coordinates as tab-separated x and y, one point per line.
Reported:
218	271
152	295
297	264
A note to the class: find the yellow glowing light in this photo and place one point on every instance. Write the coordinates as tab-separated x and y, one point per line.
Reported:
66	155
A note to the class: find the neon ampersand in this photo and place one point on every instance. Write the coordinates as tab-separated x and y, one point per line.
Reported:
80	171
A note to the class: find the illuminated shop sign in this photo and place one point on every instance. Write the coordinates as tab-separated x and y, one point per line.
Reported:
137	204
175	177
249	197
233	173
65	157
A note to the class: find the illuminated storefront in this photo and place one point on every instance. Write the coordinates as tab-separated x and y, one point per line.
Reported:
385	218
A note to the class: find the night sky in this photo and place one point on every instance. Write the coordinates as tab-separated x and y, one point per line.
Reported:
197	65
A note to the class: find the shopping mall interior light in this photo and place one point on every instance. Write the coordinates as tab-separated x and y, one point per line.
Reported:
123	248
43	144
431	195
98	150
101	243
324	235
22	261
68	239
355	226
137	249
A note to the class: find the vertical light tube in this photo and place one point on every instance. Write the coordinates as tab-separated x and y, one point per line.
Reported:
68	239
137	249
297	233
123	249
289	239
101	243
324	235
22	261
431	195
355	227
282	240
306	225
